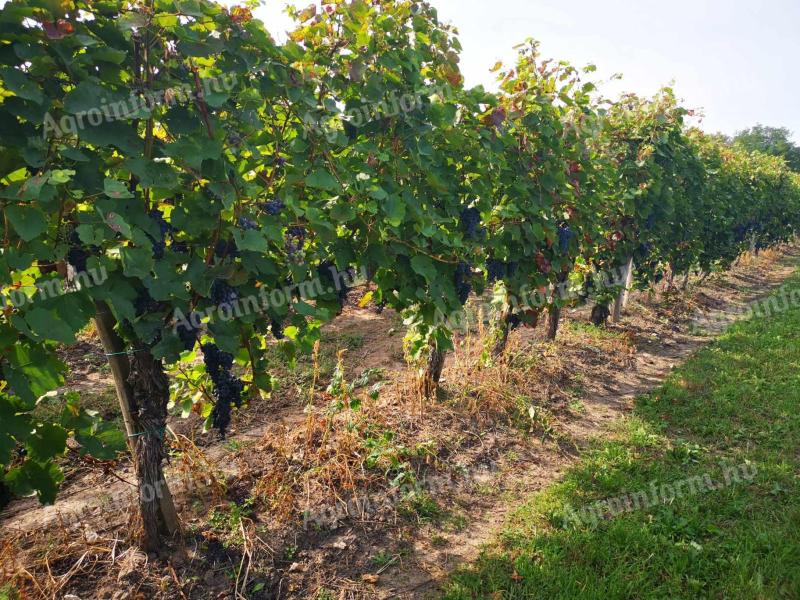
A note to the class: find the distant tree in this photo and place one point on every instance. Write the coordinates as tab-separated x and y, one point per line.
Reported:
771	140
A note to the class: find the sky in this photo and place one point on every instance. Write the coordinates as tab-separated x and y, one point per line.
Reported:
733	59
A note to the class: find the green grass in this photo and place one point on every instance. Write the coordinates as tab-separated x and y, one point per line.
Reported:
736	402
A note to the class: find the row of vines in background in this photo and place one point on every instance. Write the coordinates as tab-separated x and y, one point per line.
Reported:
354	146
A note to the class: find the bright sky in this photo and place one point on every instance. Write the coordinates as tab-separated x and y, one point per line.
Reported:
735	59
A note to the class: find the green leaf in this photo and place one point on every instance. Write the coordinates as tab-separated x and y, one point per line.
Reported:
32	188
116	189
103	444
48	325
46	442
323	180
18	82
74	154
117	134
28	222
60	176
395	210
153	174
424	266
343	211
252	240
137	262
89	96
33	371
193	151
43	479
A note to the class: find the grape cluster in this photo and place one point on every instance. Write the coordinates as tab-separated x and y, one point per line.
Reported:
565	236
223	294
469	219
644	250
228	389
187	332
294	239
77	255
273	207
277	329
514	321
164	229
328	273
498	269
144	304
247	224
461	280
226	248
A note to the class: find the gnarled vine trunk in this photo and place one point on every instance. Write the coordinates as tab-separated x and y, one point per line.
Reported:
621	300
553	318
433	372
600	314
150	388
554	312
5	494
143	393
502	328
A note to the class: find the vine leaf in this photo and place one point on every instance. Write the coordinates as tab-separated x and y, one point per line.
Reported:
28	222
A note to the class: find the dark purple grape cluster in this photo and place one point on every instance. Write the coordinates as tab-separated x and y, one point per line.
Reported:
740	233
247	223
461	280
223	294
187	332
217	361
497	270
644	250
164	229
469	220
280	161
77	255
273	207
565	236
514	321
226	248
335	279
145	305
228	389
277	329
294	240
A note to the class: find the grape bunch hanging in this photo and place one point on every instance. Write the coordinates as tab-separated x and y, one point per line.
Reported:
228	389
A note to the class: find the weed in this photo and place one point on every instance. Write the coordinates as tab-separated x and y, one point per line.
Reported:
227	521
383	558
420	506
